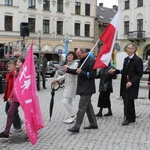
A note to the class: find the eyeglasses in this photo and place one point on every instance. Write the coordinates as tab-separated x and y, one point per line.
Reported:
129	47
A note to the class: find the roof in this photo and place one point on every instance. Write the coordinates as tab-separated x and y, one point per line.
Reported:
104	14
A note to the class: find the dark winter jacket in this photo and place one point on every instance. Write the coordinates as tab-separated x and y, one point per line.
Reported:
131	72
86	79
106	80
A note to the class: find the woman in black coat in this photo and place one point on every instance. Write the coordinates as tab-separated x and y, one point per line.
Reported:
105	88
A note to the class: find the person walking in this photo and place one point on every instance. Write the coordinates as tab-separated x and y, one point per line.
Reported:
149	79
43	67
70	87
85	88
105	89
14	104
11	66
131	74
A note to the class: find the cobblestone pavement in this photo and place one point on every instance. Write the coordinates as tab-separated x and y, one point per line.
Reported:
110	135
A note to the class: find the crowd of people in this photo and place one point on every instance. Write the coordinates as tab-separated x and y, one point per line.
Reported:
80	80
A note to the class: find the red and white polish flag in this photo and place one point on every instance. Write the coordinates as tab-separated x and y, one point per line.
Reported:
25	92
108	39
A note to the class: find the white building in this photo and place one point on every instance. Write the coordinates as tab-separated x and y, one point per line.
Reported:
135	25
50	21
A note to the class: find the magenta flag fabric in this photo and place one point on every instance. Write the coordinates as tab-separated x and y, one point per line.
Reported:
25	92
108	39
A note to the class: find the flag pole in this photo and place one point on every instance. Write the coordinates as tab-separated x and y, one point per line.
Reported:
89	53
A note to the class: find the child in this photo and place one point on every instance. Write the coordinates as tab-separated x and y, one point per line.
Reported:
11	66
14	104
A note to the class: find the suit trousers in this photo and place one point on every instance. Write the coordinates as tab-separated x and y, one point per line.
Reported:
43	78
85	106
129	110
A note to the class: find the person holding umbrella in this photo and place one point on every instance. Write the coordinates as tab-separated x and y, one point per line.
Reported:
85	88
70	87
131	74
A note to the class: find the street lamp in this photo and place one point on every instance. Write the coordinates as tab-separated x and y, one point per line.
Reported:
66	41
38	70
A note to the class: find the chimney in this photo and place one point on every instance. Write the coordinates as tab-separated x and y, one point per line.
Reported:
115	7
100	4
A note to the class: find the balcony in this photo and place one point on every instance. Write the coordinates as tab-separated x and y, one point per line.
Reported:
136	35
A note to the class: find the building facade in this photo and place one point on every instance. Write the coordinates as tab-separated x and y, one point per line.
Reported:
104	16
52	25
134	25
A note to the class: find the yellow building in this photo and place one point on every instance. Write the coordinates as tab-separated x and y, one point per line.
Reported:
49	23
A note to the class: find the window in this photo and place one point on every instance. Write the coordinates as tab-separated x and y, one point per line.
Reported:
87	9
88	50
45	26
140	3
9	2
77	29
32	4
77	8
87	30
126	27
127	4
46	4
140	25
60	5
139	28
59	27
8	23
75	49
31	24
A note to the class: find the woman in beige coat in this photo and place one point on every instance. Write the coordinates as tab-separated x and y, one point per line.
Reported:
70	87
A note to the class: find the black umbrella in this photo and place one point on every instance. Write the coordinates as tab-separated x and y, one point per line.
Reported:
149	93
54	87
51	103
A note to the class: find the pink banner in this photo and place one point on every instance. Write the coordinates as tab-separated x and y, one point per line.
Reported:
25	92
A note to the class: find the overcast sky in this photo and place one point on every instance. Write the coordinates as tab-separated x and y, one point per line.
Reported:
108	3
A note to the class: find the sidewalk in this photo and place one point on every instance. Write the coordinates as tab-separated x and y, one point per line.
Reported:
110	135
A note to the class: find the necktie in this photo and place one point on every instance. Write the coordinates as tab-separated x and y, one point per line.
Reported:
128	60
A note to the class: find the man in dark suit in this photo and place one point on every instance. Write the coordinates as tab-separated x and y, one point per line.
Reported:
131	74
85	88
43	67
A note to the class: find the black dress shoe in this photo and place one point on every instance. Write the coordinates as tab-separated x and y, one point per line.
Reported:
73	129
44	88
98	115
125	122
91	127
108	114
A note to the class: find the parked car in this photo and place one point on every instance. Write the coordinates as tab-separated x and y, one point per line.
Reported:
51	69
60	69
146	67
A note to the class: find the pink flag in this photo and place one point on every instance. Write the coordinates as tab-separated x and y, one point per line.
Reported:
108	38
25	92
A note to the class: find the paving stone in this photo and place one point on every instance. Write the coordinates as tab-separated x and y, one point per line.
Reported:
110	135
